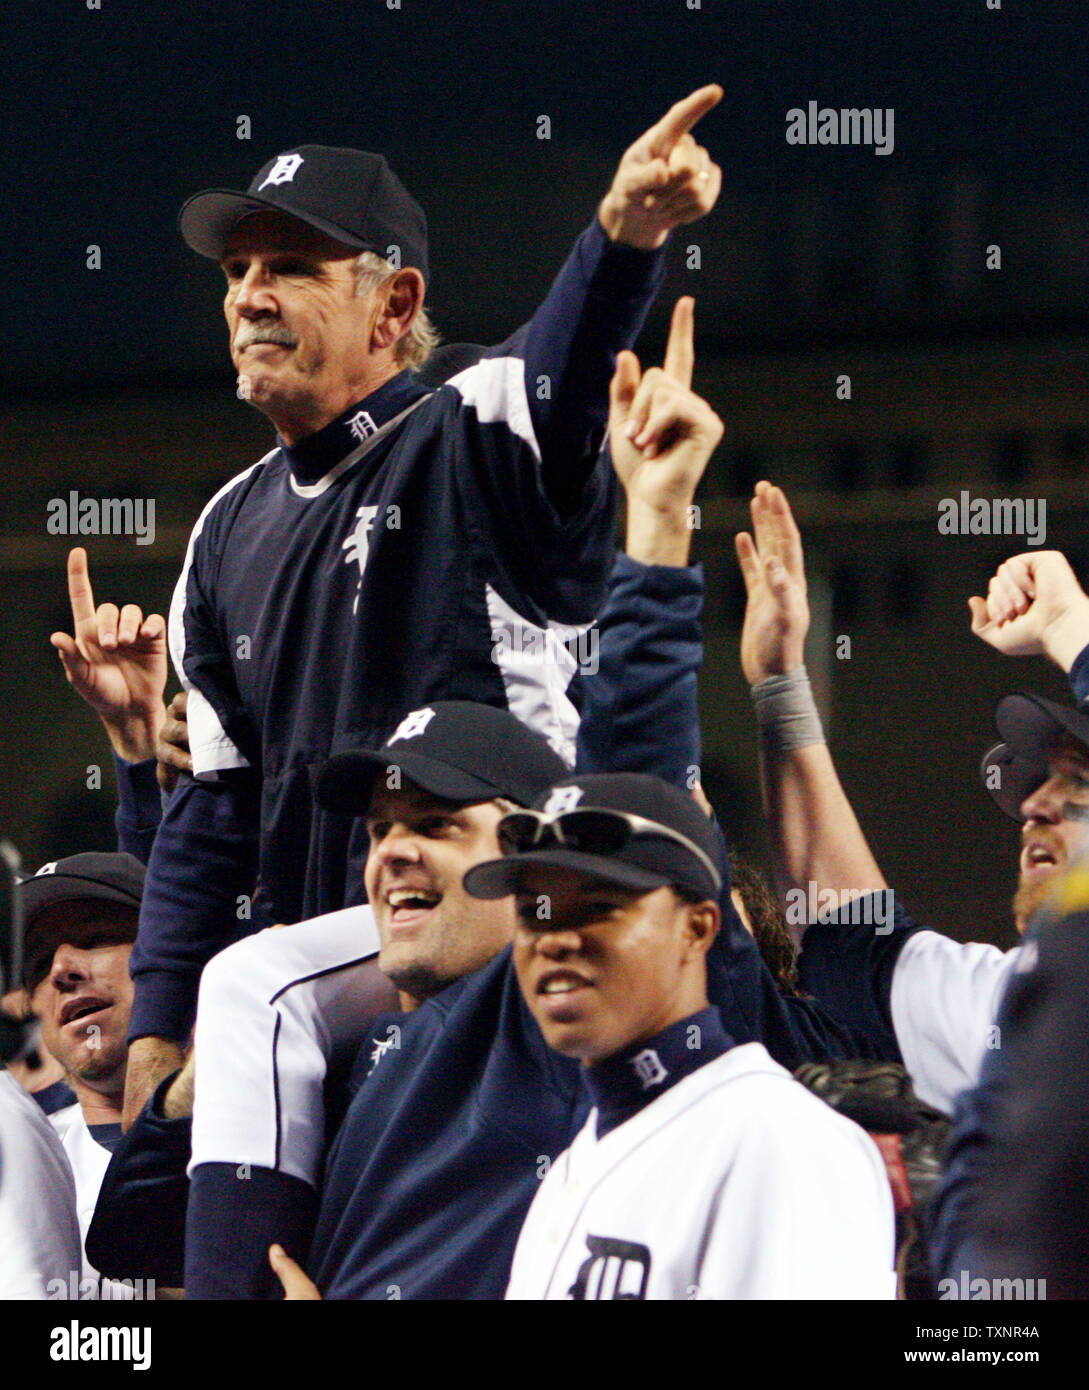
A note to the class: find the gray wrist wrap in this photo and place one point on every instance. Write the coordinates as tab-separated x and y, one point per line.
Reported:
786	712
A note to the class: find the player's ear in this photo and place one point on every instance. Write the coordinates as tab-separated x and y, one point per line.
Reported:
701	924
400	300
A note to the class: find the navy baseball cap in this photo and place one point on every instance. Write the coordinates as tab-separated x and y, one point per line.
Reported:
685	853
1030	727
456	749
352	196
106	878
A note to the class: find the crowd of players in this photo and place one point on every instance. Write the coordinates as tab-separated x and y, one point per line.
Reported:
533	1031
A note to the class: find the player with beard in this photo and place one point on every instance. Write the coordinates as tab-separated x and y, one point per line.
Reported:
1036	607
434	532
1011	1210
1009	1218
933	998
457	1102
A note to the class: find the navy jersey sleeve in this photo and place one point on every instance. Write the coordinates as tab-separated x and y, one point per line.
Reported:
754	1009
596	307
205	853
221	736
138	1229
1079	675
139	807
531	417
203	859
639	709
1011	1205
848	960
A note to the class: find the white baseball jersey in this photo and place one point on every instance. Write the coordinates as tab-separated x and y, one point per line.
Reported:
89	1162
275	1010
736	1183
944	1001
39	1235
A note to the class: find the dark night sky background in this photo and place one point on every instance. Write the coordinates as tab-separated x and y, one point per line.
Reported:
117	114
117	381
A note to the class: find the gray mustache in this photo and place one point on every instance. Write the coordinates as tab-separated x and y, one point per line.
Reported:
264	333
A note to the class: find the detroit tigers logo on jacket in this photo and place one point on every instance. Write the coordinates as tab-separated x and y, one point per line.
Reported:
306	623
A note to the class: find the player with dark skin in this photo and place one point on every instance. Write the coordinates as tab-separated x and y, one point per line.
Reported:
610	966
306	345
661	435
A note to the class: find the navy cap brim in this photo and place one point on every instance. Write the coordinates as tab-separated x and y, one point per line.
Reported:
345	784
498	878
1030	726
207	219
1009	779
43	890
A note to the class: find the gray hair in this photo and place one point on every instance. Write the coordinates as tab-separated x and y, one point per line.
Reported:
417	345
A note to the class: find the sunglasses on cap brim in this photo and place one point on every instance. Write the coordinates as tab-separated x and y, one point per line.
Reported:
589	831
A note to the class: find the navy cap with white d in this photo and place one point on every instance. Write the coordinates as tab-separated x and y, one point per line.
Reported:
352	196
686	854
455	749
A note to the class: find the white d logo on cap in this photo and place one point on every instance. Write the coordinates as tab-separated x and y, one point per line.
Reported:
412	725
561	800
283	171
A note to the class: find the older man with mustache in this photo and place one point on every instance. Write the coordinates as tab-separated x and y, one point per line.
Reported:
399	544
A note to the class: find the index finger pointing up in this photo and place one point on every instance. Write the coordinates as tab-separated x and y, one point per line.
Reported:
681	117
680	353
80	594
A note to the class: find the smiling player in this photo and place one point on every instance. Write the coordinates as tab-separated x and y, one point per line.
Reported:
704	1170
396	545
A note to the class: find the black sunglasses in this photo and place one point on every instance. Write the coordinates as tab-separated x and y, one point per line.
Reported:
590	831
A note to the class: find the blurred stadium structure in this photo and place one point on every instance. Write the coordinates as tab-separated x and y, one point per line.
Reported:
961	378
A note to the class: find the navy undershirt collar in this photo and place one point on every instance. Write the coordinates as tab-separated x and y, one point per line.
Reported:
315	455
624	1083
109	1136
